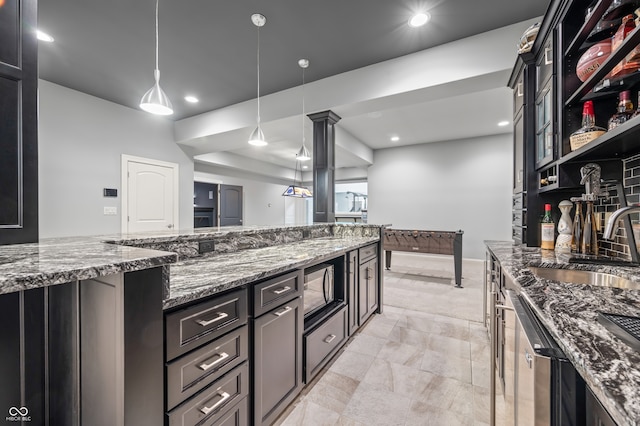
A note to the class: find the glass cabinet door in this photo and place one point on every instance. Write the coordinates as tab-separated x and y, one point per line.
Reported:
544	126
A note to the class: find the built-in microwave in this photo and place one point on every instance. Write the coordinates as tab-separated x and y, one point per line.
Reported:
319	288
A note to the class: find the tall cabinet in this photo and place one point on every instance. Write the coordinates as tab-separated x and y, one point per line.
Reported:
548	101
18	125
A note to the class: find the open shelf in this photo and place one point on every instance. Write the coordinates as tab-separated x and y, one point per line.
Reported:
580	38
620	142
632	40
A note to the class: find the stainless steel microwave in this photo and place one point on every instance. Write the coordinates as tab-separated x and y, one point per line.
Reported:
319	288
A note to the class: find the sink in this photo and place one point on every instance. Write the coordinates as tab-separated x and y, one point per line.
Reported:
584	277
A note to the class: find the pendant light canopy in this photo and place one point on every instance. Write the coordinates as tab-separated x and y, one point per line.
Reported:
303	154
257	136
155	100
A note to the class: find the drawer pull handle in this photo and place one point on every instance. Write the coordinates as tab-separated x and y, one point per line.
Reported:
329	338
221	357
282	312
204	323
547	61
206	410
282	290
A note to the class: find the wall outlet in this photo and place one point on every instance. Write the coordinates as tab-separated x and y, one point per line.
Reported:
205	247
110	211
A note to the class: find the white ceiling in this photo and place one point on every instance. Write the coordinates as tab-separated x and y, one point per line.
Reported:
106	49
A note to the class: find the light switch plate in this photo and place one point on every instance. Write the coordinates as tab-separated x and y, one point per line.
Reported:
110	211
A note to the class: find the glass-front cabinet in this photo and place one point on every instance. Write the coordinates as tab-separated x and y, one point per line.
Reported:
544	126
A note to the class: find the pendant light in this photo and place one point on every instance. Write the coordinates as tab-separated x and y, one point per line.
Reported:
303	154
257	136
155	100
296	190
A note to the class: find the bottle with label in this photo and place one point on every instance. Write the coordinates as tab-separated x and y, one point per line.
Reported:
576	230
589	131
589	236
547	229
625	110
625	28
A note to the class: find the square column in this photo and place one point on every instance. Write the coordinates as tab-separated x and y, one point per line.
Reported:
324	160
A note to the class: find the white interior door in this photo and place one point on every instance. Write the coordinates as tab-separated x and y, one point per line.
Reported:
150	198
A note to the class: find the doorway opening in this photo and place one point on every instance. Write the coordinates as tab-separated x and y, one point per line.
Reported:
216	205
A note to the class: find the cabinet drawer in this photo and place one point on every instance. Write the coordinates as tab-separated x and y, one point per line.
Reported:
368	252
275	291
195	370
213	404
236	416
324	341
191	327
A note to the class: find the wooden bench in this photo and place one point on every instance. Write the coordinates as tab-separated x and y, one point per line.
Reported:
418	241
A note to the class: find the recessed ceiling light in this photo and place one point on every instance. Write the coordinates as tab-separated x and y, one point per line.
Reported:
419	19
503	123
191	99
395	138
44	36
305	167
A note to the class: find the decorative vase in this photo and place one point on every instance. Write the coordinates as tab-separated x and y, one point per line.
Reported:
563	242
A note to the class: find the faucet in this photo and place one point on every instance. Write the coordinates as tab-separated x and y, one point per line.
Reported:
615	216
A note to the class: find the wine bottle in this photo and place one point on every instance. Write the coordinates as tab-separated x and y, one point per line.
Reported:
625	110
576	231
589	236
547	229
589	131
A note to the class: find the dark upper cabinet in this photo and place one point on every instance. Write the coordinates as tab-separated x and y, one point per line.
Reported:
18	126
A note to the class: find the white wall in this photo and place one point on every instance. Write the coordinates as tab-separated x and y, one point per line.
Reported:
446	186
263	203
81	139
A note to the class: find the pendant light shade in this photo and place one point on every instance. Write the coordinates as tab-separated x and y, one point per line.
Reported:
155	100
257	136
303	154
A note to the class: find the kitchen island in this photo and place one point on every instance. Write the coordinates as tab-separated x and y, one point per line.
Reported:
569	312
105	307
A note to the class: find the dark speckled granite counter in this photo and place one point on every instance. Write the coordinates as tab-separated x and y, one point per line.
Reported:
57	261
569	311
200	277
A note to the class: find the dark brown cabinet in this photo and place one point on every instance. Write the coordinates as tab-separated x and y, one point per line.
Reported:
353	287
18	126
277	360
368	282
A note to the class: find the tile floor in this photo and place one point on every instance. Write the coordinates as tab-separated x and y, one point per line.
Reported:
424	361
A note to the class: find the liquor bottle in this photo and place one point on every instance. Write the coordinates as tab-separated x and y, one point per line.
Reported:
576	231
625	110
589	236
589	131
547	228
626	27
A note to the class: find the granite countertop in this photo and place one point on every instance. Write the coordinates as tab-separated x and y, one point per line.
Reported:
195	278
62	260
610	367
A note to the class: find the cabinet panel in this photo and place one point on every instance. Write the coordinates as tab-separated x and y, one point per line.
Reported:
353	288
194	371
191	327
368	297
18	128
273	292
323	342
518	153
209	406
277	360
544	134
10	32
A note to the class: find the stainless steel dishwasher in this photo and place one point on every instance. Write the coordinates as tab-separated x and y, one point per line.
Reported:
539	386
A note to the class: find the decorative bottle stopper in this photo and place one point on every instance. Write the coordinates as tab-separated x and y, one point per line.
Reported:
565	225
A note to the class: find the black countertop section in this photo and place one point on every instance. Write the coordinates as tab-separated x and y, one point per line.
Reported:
569	311
196	278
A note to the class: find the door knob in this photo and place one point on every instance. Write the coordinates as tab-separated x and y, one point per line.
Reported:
170	226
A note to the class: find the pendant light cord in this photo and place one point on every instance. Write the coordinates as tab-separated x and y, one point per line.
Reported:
157	1
258	69
303	108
